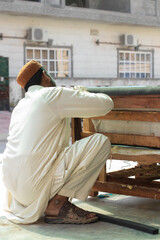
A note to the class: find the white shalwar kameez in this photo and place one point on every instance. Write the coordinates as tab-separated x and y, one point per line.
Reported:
38	161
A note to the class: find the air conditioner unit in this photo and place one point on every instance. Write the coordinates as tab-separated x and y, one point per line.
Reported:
130	40
37	35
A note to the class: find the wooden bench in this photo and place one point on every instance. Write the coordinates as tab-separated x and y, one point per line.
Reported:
133	128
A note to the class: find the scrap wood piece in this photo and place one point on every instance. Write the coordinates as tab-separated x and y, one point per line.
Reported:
129	224
143	171
139	190
135	182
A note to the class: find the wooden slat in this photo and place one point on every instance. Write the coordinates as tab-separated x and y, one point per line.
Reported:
145	159
136	101
125	189
88	125
129	139
134	181
131	116
143	171
102	176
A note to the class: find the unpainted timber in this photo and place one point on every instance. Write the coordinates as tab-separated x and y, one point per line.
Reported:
127	189
145	116
136	101
129	139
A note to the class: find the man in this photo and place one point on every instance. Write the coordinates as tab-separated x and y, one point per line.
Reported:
40	170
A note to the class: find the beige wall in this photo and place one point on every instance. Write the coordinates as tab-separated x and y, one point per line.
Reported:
89	59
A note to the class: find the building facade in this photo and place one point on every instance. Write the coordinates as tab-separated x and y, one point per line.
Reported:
82	42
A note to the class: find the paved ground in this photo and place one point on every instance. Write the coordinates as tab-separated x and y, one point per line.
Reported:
4	125
132	208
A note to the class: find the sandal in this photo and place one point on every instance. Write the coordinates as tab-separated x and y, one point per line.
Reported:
70	213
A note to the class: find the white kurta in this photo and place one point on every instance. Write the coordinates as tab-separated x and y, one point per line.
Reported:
38	161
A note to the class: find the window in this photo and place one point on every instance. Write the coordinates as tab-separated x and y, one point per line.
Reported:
135	64
57	61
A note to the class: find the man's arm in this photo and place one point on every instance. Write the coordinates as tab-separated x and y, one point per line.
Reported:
74	103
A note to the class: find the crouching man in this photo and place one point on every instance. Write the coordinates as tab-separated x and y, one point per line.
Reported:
40	170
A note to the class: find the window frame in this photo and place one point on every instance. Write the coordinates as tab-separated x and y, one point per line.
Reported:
131	51
55	72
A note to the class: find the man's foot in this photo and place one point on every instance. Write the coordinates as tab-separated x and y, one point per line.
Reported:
69	213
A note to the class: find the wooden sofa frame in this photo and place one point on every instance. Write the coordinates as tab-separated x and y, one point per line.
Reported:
141	180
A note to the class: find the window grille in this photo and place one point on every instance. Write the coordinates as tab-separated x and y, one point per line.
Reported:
135	64
57	61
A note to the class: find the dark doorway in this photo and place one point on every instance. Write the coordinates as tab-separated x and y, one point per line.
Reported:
4	84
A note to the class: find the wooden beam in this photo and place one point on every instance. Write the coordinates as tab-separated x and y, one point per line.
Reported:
129	139
131	116
125	189
102	176
134	182
143	159
136	101
144	171
88	125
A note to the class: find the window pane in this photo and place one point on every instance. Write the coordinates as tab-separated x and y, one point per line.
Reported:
65	66
51	54
44	54
65	55
51	66
147	67
121	66
127	75
142	67
148	75
132	67
52	75
127	67
59	66
30	53
142	75
122	75
137	57
137	75
138	67
121	56
55	61
135	64
142	57
45	65
132	75
59	54
37	54
132	57
127	56
148	57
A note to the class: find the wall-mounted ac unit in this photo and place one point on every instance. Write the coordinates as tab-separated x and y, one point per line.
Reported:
37	35
130	40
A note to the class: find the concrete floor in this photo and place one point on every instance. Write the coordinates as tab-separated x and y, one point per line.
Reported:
146	211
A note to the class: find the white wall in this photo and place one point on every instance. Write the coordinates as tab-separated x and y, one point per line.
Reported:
89	59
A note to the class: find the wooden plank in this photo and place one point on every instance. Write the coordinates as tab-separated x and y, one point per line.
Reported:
143	171
136	101
125	189
143	159
133	182
129	139
88	125
131	116
102	176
